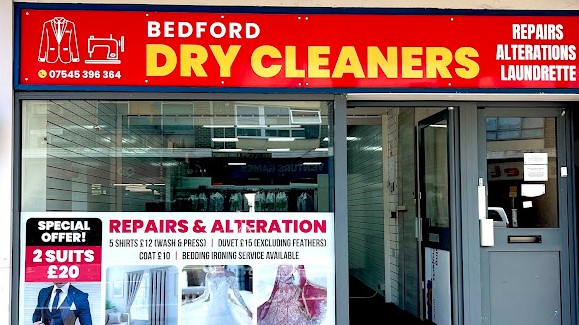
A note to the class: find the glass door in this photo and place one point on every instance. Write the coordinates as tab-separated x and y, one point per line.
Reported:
435	159
524	268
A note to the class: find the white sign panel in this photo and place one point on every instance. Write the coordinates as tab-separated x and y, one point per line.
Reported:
438	300
536	158
536	173
532	190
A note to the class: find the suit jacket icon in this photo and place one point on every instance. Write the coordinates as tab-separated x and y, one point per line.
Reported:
58	42
75	306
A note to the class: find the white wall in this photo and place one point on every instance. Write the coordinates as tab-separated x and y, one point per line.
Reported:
6	131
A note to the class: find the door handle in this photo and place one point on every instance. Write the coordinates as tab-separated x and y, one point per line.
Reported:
533	239
487	232
487	229
482	199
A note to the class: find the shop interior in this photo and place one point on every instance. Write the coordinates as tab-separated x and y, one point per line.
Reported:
142	156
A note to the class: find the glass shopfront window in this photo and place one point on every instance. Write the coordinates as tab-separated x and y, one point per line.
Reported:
138	156
148	206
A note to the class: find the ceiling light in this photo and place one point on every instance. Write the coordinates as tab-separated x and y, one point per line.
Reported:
137	184
230	150
278	149
217	126
248	126
281	139
321	149
284	126
224	139
237	164
352	138
312	163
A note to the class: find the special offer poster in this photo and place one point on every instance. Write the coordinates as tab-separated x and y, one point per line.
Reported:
173	268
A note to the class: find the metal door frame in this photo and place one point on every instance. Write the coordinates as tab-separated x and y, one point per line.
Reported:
563	187
461	273
467	298
449	114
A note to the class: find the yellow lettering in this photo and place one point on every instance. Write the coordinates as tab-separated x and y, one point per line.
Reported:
316	61
225	60
188	62
257	61
291	71
471	68
409	62
153	68
348	62
388	66
437	60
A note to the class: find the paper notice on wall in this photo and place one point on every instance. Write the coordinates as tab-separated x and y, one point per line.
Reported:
532	190
536	158
527	204
537	173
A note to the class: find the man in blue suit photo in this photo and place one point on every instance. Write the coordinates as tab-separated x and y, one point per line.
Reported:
62	304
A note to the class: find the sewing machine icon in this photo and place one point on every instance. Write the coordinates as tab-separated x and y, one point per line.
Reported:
105	50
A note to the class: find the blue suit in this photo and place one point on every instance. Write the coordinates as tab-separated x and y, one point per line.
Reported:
65	315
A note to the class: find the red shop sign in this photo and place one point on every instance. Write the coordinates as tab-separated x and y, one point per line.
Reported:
267	50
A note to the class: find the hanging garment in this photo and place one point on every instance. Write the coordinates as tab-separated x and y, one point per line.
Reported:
216	201
236	202
245	203
260	202
305	202
203	203
281	202
194	202
301	202
270	202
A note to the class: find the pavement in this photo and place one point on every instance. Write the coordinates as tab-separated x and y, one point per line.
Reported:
368	307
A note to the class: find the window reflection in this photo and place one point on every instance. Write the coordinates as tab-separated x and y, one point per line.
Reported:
436	175
522	170
163	155
511	128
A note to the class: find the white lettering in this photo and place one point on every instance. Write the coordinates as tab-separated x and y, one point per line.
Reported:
539	72
200	28
153	29
252	30
213	30
538	31
169	29
184	29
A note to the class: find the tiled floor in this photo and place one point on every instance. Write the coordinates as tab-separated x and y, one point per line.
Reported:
366	307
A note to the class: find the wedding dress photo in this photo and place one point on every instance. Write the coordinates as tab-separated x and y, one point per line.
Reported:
216	306
294	299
